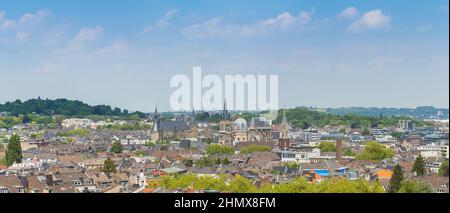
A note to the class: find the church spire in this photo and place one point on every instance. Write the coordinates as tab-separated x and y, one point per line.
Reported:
284	121
225	114
156	121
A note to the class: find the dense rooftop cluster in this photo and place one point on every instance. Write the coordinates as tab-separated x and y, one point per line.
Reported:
234	153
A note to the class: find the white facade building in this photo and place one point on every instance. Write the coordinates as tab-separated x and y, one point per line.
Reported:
299	156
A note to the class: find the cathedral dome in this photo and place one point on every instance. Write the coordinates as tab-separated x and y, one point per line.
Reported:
240	124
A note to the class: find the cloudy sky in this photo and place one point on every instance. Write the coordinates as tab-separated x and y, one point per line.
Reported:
326	53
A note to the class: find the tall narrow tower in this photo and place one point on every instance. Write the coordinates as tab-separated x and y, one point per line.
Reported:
284	126
338	149
225	113
156	120
156	133
284	121
193	117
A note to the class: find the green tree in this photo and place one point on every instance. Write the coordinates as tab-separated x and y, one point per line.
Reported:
327	147
255	148
374	151
365	132
397	135
226	161
443	170
140	153
419	166
342	185
292	165
204	162
241	184
410	186
218	149
218	161
342	131
109	166
296	185
14	151
349	152
116	147
396	180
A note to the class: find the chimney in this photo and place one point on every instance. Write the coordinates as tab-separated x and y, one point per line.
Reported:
339	149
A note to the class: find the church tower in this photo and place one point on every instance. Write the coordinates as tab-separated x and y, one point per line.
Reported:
225	113
284	126
156	132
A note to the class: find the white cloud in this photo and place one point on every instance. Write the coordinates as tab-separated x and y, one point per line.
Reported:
8	24
424	28
370	20
31	18
283	21
88	34
84	36
117	47
350	12
169	15
214	27
305	17
162	22
20	25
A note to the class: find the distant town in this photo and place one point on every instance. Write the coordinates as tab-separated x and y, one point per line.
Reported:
66	146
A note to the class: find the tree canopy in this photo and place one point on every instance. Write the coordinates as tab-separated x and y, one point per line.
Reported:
218	149
61	107
410	186
109	166
14	152
304	117
443	170
419	166
240	184
395	183
255	148
116	147
374	151
327	147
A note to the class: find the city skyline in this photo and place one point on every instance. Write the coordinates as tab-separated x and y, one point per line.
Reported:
333	54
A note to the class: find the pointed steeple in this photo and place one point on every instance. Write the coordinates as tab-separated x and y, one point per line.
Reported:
225	114
284	121
193	116
156	121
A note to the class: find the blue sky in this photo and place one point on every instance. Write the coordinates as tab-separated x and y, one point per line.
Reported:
326	53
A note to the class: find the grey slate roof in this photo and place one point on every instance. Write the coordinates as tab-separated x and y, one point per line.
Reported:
172	126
